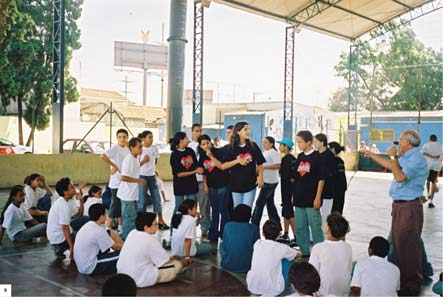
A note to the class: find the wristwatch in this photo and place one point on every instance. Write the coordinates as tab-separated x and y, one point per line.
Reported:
394	157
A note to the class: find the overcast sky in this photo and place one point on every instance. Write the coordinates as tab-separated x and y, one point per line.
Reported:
244	53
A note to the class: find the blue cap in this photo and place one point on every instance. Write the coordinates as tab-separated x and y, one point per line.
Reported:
288	142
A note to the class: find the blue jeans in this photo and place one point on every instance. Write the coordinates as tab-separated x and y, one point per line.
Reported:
219	204
178	200
244	198
203	249
129	211
285	266
30	233
44	203
266	198
151	183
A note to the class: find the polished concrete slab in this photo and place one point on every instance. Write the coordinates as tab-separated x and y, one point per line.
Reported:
32	271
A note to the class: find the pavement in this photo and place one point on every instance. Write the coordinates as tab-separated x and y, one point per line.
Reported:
32	271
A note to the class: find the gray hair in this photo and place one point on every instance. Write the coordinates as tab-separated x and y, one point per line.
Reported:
413	137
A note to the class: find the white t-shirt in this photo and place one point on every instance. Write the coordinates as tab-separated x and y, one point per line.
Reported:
194	145
33	196
333	261
272	157
129	191
15	218
186	230
74	205
89	241
265	276
376	276
160	185
117	154
148	169
91	201
434	149
59	215
140	258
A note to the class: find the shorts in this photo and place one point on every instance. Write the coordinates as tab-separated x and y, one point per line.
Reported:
432	177
115	210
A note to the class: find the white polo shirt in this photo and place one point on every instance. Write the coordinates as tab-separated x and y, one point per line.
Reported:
59	215
186	230
130	167
376	276
148	169
272	157
14	219
117	154
32	196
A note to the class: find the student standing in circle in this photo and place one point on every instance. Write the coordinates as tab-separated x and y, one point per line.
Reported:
271	178
248	160
341	185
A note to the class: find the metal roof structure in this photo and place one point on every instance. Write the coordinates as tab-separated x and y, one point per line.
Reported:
344	19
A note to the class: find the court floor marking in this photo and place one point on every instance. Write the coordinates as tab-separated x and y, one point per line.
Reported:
25	253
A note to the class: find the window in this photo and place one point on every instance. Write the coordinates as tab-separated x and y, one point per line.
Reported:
379	135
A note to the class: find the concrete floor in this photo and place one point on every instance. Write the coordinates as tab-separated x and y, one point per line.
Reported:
31	269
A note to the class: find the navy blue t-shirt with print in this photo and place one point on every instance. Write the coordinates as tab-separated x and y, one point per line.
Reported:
184	161
308	172
215	178
244	178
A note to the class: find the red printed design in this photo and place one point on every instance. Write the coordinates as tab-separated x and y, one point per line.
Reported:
303	168
187	161
246	156
209	165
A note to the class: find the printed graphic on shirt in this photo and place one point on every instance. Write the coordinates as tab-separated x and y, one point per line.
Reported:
303	168
187	162
209	165
246	156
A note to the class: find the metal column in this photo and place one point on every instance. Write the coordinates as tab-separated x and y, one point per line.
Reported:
288	108
58	77
176	66
197	83
353	84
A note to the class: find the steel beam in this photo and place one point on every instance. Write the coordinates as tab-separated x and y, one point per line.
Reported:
197	83
353	82
58	77
351	12
403	4
288	104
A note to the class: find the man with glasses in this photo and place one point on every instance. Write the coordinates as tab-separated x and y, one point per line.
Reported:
410	170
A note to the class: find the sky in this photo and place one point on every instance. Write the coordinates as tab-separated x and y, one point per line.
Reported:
243	53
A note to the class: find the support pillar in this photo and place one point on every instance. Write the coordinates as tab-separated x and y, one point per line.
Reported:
288	108
197	83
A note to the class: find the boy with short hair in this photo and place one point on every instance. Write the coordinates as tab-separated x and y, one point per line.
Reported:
143	257
91	249
304	279
114	157
376	276
333	257
270	263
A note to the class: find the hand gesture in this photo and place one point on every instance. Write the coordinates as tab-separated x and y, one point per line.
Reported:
200	170
243	162
209	154
392	151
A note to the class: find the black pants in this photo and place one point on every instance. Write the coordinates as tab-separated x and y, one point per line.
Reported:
266	198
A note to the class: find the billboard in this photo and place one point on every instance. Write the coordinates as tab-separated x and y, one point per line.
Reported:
140	55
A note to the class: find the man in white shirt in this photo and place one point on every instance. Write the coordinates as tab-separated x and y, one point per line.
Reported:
58	229
376	276
93	243
128	189
433	152
202	196
143	257
114	157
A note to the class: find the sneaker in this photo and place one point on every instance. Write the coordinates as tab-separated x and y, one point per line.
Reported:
166	245
431	205
163	227
283	239
293	244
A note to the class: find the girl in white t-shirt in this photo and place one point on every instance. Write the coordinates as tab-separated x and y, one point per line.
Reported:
271	178
37	197
15	215
184	224
94	196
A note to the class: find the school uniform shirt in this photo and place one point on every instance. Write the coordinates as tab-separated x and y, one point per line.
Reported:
340	181
330	168
14	219
215	178
90	240
244	178
91	201
117	154
32	196
287	167
434	149
376	276
194	146
186	230
131	167
140	258
148	169
59	215
272	157
333	261
308	173
184	161
265	276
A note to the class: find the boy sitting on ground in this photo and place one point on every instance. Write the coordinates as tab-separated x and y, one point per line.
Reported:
304	279
270	263
91	248
376	276
333	257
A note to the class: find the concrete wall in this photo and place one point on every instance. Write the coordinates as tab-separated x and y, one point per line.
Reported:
81	168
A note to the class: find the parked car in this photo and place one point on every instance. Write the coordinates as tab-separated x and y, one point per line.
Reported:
85	146
9	148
